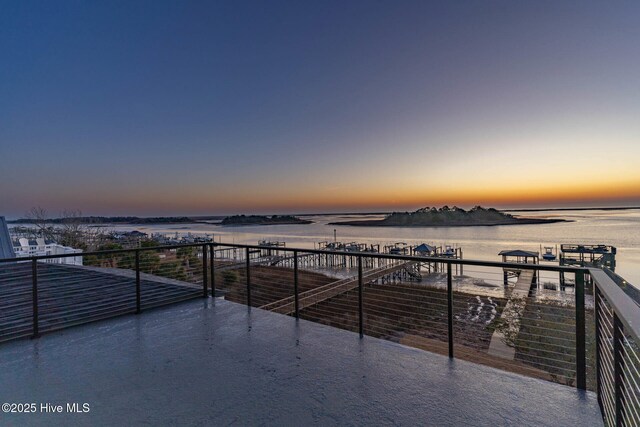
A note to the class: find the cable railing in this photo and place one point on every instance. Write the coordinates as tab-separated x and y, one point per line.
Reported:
38	295
617	322
512	316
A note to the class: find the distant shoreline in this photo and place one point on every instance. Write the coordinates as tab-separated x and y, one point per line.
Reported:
381	223
265	223
242	220
501	210
299	222
205	219
570	209
115	220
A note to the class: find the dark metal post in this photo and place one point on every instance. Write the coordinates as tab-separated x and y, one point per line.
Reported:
213	271
205	269
295	283
248	279
138	296
597	311
450	309
360	317
34	282
617	361
581	354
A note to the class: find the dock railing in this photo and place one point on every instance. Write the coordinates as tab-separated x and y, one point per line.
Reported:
585	335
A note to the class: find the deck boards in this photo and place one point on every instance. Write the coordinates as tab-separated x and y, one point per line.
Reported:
70	295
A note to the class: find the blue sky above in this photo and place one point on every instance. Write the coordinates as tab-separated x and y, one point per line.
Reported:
218	107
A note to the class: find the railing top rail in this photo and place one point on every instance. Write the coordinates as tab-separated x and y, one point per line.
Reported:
627	310
444	260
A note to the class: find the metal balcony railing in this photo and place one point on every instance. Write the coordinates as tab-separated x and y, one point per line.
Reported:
585	335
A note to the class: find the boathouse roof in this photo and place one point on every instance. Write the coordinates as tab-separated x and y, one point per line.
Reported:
425	248
519	252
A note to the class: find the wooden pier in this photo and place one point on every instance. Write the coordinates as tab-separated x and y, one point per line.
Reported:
599	256
274	254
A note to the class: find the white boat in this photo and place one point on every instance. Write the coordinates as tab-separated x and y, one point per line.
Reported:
548	254
449	251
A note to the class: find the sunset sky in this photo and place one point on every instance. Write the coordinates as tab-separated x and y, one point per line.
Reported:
196	108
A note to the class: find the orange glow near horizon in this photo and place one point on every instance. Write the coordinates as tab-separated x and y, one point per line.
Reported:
324	202
384	193
378	198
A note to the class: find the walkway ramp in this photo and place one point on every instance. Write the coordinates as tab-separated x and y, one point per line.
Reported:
510	318
270	260
333	289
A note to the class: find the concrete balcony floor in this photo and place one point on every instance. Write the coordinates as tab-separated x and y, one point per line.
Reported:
206	363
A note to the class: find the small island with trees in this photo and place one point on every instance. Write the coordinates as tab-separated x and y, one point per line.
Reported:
449	217
263	220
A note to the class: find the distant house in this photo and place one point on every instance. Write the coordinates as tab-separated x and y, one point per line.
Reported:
23	247
40	247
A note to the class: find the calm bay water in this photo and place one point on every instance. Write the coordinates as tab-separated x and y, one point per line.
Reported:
617	228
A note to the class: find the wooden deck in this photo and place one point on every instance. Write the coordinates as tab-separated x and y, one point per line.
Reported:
217	363
70	295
